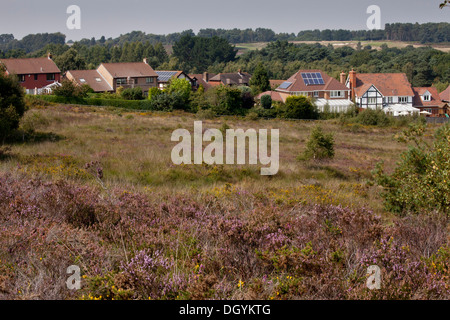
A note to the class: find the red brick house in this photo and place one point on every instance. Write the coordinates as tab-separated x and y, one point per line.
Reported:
327	92
33	73
110	76
428	99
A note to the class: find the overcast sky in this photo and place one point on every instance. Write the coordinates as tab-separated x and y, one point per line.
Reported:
112	18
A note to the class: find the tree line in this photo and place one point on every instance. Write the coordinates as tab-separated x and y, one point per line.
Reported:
424	33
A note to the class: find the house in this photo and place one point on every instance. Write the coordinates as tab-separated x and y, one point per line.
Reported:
327	92
230	79
110	76
33	73
427	99
165	76
201	79
445	95
275	83
380	90
91	77
276	96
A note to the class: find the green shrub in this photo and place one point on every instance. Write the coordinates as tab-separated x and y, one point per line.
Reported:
298	107
319	145
266	101
371	117
12	104
421	180
132	94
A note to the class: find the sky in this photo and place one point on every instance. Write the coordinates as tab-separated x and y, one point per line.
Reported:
112	18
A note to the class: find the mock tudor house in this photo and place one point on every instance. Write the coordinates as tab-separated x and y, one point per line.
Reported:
428	101
380	90
33	73
326	91
110	76
165	76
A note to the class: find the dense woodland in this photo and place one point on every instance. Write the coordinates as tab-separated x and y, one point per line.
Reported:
213	50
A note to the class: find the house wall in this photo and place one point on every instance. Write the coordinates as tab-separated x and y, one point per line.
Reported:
31	83
105	74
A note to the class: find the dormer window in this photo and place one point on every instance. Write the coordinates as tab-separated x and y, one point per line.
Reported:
426	97
82	80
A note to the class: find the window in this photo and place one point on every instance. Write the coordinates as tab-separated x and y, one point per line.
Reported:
21	78
149	80
316	94
50	76
82	80
35	77
426	97
336	94
372	100
389	99
98	79
121	81
403	99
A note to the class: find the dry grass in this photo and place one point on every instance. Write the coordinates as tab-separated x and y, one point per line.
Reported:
134	151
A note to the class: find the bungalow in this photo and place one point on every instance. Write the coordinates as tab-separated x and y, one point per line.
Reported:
33	73
165	76
326	91
380	90
110	76
427	99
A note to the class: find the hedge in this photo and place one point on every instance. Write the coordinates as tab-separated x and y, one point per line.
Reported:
119	103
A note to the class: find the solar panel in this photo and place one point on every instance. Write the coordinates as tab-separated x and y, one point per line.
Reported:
312	78
285	85
164	76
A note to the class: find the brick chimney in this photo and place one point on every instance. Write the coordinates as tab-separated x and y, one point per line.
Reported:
145	60
206	76
343	77
352	80
49	56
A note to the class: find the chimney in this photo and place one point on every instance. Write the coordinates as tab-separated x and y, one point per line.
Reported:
145	61
343	77
49	56
206	76
228	81
352	80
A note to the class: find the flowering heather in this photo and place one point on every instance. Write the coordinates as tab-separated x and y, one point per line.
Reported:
238	245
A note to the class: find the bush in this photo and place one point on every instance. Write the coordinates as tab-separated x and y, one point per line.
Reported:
132	94
319	145
12	104
421	181
266	101
69	89
371	117
299	107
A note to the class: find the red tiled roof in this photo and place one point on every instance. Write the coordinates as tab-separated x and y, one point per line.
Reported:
130	69
389	84
30	66
298	85
200	80
434	101
276	96
445	95
236	78
91	78
275	83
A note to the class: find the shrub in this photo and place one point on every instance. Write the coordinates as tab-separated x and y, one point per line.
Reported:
69	89
266	101
299	107
319	145
12	104
371	117
133	94
421	180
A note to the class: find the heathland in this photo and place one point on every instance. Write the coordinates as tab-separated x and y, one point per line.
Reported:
96	188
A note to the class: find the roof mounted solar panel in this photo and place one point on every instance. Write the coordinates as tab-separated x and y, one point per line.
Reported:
285	85
312	78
